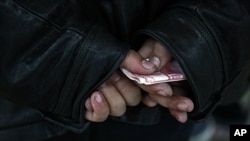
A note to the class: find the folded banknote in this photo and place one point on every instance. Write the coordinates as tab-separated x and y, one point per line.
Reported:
170	73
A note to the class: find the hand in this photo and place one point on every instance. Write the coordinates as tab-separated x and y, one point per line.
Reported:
178	104
170	96
112	97
136	63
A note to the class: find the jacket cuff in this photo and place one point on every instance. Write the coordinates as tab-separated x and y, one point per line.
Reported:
96	60
192	45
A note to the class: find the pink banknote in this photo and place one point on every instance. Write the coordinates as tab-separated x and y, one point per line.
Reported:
170	73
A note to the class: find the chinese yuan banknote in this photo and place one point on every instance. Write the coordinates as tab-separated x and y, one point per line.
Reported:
170	73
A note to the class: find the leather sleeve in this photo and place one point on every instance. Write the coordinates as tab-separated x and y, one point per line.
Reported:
48	61
210	40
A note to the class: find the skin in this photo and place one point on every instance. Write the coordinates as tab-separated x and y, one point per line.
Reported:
112	97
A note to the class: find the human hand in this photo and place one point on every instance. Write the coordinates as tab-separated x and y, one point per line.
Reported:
112	97
102	103
170	96
178	104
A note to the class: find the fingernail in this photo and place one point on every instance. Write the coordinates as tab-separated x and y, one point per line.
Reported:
163	93
180	119
88	105
177	117
151	63
169	92
147	64
182	106
98	97
156	61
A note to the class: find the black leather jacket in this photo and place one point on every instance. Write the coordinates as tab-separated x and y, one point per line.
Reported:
53	54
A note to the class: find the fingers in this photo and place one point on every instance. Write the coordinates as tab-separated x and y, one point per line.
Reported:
148	101
120	92
147	48
153	49
97	109
177	110
161	52
129	91
179	115
137	64
113	95
163	89
116	102
178	104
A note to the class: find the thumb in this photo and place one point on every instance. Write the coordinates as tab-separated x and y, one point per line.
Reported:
135	63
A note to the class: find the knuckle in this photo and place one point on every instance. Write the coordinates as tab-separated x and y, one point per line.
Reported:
118	110
100	119
132	96
134	101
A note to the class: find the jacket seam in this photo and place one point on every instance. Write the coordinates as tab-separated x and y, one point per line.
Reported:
46	20
73	74
205	32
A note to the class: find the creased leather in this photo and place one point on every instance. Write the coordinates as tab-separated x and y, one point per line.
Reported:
50	51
